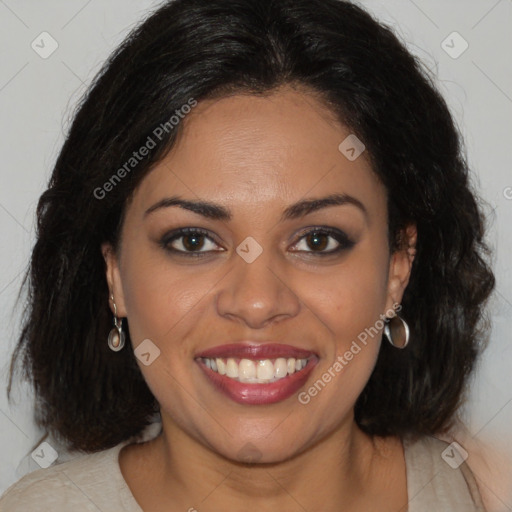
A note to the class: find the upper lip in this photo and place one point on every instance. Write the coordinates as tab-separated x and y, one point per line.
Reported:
249	350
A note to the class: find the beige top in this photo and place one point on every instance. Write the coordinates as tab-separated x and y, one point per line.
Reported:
94	482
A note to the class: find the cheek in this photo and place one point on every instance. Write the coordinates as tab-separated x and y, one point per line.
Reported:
159	295
351	298
349	304
163	304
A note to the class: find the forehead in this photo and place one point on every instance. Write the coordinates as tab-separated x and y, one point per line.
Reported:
257	151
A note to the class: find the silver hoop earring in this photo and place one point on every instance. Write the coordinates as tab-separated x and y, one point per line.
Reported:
116	335
397	331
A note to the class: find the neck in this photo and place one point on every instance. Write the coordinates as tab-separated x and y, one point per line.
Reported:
342	465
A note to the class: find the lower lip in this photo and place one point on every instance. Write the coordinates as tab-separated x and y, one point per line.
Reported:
259	394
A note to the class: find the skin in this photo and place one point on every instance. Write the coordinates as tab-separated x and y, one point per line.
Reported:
256	156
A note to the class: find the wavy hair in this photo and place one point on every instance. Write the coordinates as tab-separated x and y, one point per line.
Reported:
91	398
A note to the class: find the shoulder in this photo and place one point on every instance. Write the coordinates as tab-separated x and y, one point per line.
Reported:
87	483
438	477
48	488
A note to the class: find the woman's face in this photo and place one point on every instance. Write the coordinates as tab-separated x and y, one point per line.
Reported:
317	277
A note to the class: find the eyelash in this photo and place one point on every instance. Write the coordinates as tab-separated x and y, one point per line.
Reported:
344	242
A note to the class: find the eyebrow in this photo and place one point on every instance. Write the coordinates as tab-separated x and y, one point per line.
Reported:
297	210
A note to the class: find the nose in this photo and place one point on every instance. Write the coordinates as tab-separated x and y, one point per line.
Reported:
256	295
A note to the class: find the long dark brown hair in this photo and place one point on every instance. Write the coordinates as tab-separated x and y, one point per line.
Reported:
92	398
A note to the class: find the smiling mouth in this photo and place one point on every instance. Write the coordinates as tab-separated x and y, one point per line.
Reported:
257	374
262	371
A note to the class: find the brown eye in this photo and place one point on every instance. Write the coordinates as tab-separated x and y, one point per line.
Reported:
317	240
323	242
189	241
193	242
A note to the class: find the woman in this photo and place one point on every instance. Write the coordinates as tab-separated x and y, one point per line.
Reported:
261	226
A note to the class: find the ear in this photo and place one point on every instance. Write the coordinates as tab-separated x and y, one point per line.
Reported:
114	279
400	265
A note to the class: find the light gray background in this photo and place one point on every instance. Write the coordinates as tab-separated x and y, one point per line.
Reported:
37	97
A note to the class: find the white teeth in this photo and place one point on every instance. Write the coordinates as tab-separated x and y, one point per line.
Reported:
280	368
265	370
221	366
257	372
246	369
231	368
